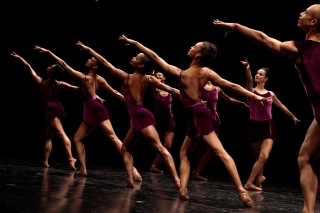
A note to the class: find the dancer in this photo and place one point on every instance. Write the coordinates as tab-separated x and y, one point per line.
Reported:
306	57
49	90
94	113
200	120
164	118
210	95
262	130
141	120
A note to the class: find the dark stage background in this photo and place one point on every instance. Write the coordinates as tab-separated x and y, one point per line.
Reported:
169	29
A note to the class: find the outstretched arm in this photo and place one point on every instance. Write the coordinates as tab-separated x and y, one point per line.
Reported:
175	71
65	66
249	85
117	72
35	77
156	83
278	104
103	83
67	86
227	98
287	48
217	80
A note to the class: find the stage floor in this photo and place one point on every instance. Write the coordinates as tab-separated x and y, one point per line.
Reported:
27	187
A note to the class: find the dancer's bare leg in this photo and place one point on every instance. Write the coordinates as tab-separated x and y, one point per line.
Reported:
203	162
57	127
83	131
214	143
168	139
107	128
309	152
186	150
152	137
130	140
266	146
48	145
260	178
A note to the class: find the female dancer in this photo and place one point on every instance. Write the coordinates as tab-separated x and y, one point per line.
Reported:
94	113
200	120
141	120
262	131
305	56
210	94
49	90
164	118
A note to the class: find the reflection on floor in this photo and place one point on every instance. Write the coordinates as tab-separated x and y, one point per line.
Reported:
26	187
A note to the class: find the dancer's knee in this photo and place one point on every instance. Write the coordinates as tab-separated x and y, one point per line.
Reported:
263	157
303	159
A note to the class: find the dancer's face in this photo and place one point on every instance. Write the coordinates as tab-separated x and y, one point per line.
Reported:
306	19
260	76
160	76
195	50
137	62
91	63
50	69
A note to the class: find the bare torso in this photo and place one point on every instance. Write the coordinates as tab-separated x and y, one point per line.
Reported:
49	89
138	84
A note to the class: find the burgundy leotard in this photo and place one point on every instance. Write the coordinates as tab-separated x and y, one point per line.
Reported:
211	96
200	120
309	71
93	111
261	124
163	113
49	96
140	117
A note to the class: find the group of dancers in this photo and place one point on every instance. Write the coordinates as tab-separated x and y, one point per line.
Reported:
199	90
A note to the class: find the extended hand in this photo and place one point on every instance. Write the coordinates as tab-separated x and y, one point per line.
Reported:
83	47
15	55
262	99
124	38
42	50
245	63
296	120
230	26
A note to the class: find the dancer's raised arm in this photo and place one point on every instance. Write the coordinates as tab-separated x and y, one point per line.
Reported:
217	80
249	85
35	77
65	66
286	48
117	72
103	83
157	84
67	86
173	70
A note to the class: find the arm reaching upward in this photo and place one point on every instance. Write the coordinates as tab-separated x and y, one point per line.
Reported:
278	104
156	83
67	86
175	71
35	77
227	98
249	85
103	83
287	48
217	80
65	66
117	72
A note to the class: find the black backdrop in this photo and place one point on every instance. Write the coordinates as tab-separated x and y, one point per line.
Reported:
169	29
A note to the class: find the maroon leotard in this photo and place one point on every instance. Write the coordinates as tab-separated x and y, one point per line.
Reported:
94	112
140	117
211	96
309	71
163	113
261	124
49	96
200	120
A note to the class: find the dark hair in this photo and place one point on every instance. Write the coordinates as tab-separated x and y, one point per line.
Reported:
208	52
149	65
57	69
266	70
